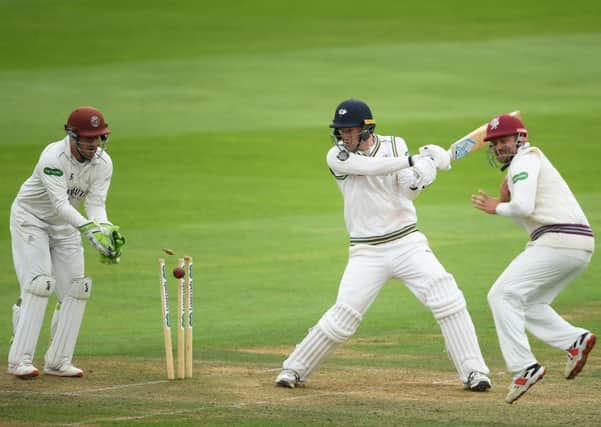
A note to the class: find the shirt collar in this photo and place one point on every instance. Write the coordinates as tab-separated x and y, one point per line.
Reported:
373	149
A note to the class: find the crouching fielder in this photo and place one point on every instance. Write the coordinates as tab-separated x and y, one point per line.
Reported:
45	228
378	182
560	247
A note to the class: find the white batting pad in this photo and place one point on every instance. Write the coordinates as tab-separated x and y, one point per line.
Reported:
448	305
340	322
337	325
444	297
69	315
28	319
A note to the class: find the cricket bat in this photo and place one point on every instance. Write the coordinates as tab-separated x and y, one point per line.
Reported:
472	141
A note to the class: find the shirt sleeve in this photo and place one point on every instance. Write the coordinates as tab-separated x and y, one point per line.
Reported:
55	182
95	203
356	164
523	180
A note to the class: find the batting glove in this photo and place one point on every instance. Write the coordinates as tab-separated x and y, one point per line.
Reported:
441	157
424	171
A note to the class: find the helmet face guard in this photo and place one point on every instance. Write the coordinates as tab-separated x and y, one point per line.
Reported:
498	127
350	114
104	139
87	122
503	161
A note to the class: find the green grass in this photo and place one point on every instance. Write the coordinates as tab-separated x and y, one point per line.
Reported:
219	116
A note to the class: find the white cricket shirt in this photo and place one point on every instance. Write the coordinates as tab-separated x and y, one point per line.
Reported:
375	187
540	197
58	185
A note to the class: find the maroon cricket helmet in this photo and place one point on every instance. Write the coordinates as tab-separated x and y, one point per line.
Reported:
504	125
87	121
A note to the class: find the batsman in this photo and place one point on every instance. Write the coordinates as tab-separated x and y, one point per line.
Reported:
46	231
379	181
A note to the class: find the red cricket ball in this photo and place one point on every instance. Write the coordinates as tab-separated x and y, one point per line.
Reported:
178	272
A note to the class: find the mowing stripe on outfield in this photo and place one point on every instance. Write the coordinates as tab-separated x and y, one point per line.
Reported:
217	406
88	390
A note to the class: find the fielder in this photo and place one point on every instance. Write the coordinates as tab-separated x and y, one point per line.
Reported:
560	247
45	228
379	181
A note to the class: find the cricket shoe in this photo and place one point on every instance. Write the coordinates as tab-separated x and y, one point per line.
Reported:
288	378
525	379
578	353
477	381
65	370
23	370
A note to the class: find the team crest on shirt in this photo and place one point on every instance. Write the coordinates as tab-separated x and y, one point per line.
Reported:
342	156
94	121
494	123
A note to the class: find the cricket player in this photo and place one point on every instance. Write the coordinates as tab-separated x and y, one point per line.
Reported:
560	247
379	181
45	228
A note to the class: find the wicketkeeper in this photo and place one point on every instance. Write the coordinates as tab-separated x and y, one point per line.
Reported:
46	229
561	245
379	181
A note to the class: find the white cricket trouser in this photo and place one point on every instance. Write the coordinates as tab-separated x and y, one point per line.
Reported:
39	251
410	260
520	301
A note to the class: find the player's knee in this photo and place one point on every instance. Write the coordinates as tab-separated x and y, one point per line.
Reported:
501	295
340	322
41	286
443	297
81	288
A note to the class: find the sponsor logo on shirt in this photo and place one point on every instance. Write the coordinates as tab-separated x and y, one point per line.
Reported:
519	177
76	193
53	171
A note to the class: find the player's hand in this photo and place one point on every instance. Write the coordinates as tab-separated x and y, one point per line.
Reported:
484	202
424	171
504	193
100	237
441	157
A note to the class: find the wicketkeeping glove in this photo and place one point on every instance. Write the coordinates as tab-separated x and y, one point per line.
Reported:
118	242
100	237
